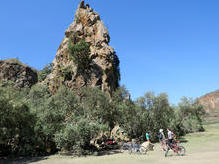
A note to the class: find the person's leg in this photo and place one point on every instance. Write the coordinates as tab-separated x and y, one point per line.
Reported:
169	143
163	147
138	146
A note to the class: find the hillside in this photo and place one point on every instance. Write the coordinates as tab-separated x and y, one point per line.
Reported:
210	102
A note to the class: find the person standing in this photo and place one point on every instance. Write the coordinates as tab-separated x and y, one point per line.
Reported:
162	139
147	136
170	137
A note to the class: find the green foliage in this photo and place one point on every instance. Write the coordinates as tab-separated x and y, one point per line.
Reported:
77	134
61	115
151	113
42	74
98	106
16	125
79	53
35	122
67	73
51	112
189	116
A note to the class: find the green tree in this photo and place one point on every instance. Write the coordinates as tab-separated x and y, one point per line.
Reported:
16	125
190	115
79	53
42	74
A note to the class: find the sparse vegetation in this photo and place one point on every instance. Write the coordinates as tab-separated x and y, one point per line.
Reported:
42	74
66	73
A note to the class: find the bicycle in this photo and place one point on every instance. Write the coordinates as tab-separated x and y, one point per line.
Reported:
180	150
132	147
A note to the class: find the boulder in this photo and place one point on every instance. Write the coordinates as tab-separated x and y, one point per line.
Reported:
17	72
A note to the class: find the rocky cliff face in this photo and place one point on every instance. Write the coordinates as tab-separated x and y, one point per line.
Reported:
210	101
19	73
103	69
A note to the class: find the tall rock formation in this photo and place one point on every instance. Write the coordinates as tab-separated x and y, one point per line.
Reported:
102	66
210	101
21	74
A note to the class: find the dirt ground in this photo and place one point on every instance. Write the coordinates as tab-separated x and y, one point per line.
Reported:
201	148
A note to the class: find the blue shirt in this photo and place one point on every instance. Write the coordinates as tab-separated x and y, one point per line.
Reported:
147	136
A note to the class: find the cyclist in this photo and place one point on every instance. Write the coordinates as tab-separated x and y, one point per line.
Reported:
161	135
162	138
170	136
147	136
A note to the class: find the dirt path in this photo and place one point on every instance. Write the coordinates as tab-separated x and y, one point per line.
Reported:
202	148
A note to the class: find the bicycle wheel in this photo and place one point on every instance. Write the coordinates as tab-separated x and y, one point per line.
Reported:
181	151
143	150
130	149
124	148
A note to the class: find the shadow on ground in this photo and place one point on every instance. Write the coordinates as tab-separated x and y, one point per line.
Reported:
183	140
21	160
109	152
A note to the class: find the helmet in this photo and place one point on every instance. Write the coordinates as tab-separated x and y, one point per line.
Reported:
161	130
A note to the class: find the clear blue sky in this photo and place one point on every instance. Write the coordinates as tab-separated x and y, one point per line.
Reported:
167	46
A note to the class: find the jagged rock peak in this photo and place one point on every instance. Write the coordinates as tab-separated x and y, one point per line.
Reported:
17	72
102	66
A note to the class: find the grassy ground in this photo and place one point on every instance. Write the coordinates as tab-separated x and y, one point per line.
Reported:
202	148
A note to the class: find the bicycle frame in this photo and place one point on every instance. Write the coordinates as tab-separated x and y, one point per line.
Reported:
180	150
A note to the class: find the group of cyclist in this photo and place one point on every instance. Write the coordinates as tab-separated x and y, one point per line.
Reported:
169	141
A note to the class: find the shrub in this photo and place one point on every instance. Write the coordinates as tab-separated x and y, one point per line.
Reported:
79	53
42	74
35	122
16	127
67	73
77	134
190	115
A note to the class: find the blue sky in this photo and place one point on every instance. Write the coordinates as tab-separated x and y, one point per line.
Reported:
167	46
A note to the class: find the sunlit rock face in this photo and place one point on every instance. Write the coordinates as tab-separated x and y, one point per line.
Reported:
104	66
210	101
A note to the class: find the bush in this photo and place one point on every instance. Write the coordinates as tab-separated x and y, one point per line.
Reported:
189	116
63	123
79	53
42	74
35	122
16	127
151	112
67	73
154	112
77	134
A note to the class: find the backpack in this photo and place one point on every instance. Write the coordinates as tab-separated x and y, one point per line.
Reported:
160	136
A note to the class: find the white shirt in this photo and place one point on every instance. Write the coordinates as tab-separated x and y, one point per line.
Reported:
170	135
